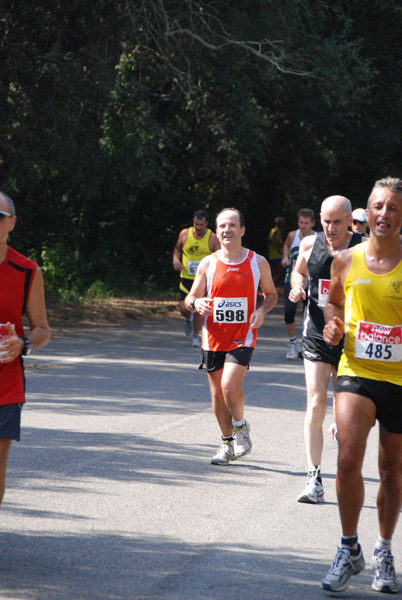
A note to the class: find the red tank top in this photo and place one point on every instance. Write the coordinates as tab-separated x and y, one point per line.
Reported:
16	276
234	289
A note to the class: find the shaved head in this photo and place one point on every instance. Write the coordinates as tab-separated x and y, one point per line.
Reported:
337	202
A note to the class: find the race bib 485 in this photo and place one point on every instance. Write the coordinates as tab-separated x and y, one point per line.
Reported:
374	341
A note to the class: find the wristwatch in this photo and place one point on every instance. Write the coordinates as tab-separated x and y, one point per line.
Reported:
192	303
28	347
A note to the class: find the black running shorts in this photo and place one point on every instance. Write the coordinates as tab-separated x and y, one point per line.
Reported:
386	396
214	361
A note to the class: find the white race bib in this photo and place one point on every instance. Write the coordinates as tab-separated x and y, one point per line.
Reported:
323	291
374	341
192	266
230	310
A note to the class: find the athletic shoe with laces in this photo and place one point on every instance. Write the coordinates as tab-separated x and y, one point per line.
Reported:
293	351
242	441
385	579
333	432
344	566
188	327
224	455
196	343
313	493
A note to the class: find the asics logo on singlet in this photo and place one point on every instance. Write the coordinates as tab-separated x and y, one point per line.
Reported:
232	269
357	281
229	304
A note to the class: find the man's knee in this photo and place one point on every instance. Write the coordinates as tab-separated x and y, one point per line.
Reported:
317	407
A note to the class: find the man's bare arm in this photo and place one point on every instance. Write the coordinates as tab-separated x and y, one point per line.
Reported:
177	250
299	275
286	248
335	306
198	289
214	243
269	292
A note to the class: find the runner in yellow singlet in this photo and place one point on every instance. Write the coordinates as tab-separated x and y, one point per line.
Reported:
365	303
192	245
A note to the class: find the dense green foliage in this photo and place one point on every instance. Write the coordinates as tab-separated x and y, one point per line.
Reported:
121	118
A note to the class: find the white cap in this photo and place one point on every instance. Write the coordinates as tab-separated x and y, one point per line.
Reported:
359	215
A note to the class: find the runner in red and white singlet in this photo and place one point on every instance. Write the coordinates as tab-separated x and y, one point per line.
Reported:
21	292
230	278
233	288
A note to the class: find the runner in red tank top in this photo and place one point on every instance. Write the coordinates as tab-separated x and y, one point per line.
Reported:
21	291
230	278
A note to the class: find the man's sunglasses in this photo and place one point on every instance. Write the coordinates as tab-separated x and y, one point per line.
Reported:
4	214
356	222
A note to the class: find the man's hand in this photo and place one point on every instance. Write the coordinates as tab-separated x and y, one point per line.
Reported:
177	265
12	346
334	331
296	293
204	306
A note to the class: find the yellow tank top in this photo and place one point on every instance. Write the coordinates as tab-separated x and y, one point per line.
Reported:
373	322
193	251
272	249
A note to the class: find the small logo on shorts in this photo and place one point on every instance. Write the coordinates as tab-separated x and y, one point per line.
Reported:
344	382
308	354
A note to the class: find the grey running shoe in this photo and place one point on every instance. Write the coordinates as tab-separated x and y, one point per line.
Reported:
242	441
188	327
224	455
344	566
196	340
333	432
385	579
313	493
293	351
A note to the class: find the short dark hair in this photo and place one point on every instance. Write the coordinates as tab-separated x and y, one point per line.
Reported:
393	184
307	213
241	217
201	214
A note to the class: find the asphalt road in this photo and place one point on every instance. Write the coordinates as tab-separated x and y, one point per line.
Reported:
111	494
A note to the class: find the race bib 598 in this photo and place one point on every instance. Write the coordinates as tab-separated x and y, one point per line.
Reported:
230	310
374	341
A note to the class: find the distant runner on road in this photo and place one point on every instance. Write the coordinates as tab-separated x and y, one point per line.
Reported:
230	277
192	245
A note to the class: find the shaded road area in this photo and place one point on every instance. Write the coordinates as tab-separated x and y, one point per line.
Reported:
111	494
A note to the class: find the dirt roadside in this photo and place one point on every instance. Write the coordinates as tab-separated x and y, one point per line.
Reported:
109	311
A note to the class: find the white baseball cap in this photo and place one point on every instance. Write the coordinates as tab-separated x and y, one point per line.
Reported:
359	215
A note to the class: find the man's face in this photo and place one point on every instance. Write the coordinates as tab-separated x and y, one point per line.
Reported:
6	223
358	226
335	222
228	229
305	225
200	226
385	213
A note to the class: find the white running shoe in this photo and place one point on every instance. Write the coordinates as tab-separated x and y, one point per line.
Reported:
188	327
196	340
344	566
333	432
293	351
313	493
385	579
224	455
242	441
